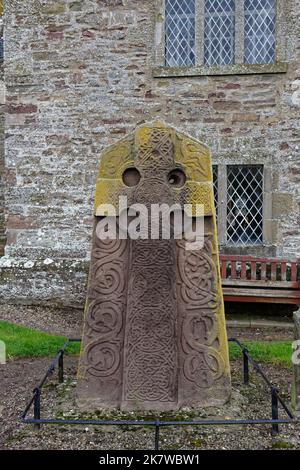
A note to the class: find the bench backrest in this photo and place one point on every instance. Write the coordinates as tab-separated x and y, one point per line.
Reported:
262	271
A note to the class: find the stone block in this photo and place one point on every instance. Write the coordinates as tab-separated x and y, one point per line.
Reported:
223	105
245	117
18	222
21	108
54	8
283	204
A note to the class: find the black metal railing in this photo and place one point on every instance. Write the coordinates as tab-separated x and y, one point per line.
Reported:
274	421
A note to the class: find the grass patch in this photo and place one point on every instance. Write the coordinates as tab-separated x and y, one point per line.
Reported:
25	342
272	352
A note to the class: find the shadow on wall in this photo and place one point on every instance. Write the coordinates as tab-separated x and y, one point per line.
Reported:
244	311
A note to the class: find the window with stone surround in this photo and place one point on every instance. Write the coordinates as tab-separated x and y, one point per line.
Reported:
1	36
180	32
219	34
239	200
216	37
259	31
244	204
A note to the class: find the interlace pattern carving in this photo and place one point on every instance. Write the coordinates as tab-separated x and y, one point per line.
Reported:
154	336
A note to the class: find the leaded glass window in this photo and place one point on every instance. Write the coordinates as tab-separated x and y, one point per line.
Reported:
180	33
219	32
244	204
259	30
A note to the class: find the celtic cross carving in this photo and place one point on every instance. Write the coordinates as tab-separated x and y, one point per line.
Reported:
154	330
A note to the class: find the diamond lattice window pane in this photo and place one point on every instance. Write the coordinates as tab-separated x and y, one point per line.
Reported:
244	204
215	185
180	33
219	37
260	31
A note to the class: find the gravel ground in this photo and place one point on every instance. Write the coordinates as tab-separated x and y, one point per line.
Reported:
261	334
64	321
20	377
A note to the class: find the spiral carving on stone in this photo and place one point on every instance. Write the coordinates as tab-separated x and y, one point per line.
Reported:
105	312
105	317
103	358
203	364
203	368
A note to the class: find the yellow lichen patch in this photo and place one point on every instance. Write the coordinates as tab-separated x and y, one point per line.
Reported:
196	194
108	192
191	156
115	158
195	157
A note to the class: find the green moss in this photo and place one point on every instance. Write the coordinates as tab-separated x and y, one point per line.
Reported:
197	443
282	445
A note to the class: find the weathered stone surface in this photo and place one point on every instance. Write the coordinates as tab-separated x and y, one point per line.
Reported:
53	8
154	336
296	367
225	106
246	117
283	204
91	88
31	281
2	162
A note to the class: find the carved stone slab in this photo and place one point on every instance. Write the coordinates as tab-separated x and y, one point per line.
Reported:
154	335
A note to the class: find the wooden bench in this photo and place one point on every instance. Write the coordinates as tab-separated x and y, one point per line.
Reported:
249	279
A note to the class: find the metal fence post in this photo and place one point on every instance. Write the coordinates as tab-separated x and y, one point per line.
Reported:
61	367
37	406
246	367
275	426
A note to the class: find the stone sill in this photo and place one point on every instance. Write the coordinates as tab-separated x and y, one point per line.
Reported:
263	250
203	70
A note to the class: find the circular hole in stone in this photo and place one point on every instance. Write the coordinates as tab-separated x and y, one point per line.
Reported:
177	178
131	177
